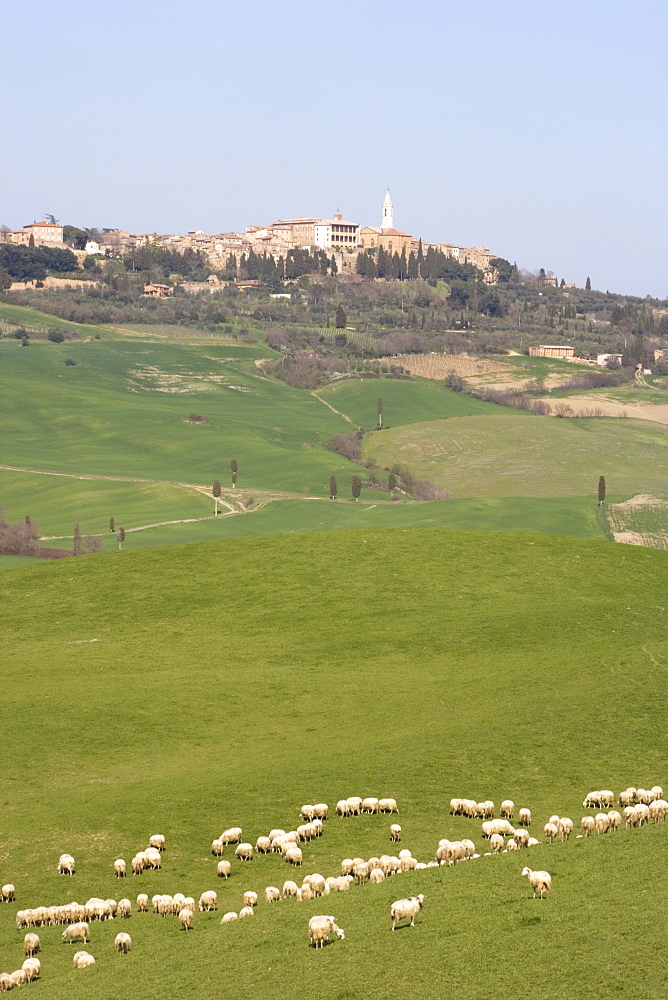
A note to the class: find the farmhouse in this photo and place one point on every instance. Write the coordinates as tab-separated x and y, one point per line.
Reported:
608	360
551	351
153	291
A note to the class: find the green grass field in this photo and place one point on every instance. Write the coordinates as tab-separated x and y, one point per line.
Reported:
529	455
185	690
29	317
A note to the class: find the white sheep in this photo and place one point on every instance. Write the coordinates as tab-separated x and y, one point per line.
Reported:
32	968
157	840
271	894
587	825
601	822
565	827
320	928
84	961
76	932
124	908
19	977
119	868
8	893
122	943
186	918
615	819
361	871
208	901
66	865
388	806
246	911
250	898
289	889
496	842
294	856
232	836
321	810
31	944
354	803
217	847
525	817
244	852
228	917
395	832
642	812
5	982
342	807
142	902
402	909
550	832
539	881
370	805
658	810
138	864
521	838
376	876
507	809
305	893
263	845
223	868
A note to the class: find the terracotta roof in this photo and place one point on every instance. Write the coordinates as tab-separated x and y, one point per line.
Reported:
49	225
392	232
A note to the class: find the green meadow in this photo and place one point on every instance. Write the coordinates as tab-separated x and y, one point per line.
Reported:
183	690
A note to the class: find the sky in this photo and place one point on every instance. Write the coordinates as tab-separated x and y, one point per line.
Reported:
536	129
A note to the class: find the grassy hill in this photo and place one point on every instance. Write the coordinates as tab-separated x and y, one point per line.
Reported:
529	455
183	690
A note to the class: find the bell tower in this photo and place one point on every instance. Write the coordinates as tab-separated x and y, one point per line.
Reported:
388	213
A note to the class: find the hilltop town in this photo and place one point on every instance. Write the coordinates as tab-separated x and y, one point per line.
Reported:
337	236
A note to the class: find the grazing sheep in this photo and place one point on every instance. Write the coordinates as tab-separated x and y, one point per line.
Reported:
32	968
186	918
321	810
627	797
317	883
346	866
642	812
271	894
550	832
82	960
217	847
153	857
601	822
244	852
395	832
532	842
539	881
246	911
307	812
5	982
76	932
232	836
31	944
208	901
305	893
122	943
525	817
587	825
370	805
354	805
521	838
138	864
615	819
157	840
142	902
263	845
294	856
320	928
250	898
361	871
604	798
512	845
223	868
388	806
289	889
501	826
565	827
507	809
18	978
342	807
66	865
496	842
402	909
229	917
656	792
658	810
376	876
8	893
342	883
124	908
119	868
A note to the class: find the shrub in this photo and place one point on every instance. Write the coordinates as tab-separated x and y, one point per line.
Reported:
69	362
347	445
56	336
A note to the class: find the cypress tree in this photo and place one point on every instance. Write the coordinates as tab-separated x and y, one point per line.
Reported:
341	318
121	538
588	284
112	525
216	490
356	487
333	266
601	490
333	488
76	541
234	466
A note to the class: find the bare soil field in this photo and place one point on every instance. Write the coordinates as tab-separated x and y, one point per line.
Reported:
611	408
642	520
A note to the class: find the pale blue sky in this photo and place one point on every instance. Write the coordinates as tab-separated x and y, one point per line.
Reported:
538	129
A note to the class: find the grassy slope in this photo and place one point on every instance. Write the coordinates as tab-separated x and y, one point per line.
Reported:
403	402
34	317
109	415
231	682
534	456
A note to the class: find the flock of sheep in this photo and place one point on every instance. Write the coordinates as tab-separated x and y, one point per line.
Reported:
639	806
